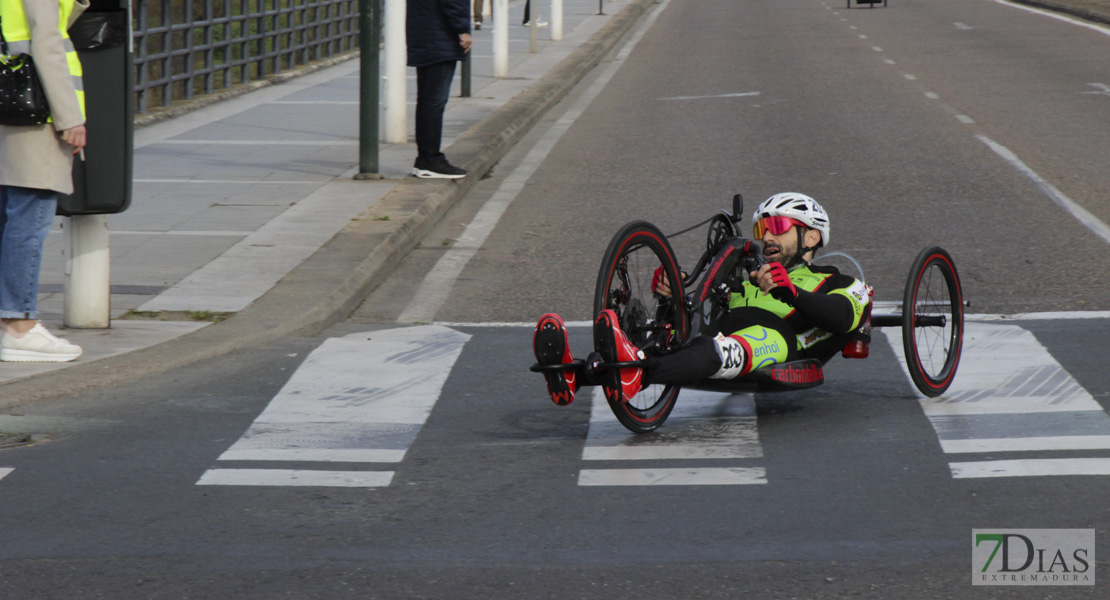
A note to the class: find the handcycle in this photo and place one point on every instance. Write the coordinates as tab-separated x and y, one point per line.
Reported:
931	314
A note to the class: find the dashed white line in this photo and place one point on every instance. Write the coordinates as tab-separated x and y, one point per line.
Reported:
5	471
965	119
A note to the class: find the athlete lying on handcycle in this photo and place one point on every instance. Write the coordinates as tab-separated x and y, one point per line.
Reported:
789	309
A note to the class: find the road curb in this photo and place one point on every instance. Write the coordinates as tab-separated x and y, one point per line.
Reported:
354	261
1070	10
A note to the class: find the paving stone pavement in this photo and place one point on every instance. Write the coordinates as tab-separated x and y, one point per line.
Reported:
232	200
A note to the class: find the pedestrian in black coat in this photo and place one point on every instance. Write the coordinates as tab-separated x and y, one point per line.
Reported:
438	36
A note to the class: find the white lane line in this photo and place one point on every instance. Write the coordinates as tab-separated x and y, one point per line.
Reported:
1035	467
296	478
735	95
909	77
437	284
1081	214
5	471
653	477
966	120
1027	444
932	95
362	397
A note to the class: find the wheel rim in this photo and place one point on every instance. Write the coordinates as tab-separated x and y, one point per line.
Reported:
624	286
937	347
629	295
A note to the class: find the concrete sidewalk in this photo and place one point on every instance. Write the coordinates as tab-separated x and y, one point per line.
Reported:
246	212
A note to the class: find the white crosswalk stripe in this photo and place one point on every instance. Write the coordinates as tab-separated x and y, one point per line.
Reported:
360	398
703	426
1011	395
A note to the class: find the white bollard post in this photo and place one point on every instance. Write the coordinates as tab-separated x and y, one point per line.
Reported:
396	73
87	281
501	38
556	20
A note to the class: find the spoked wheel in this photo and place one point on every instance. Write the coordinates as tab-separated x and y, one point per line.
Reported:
656	324
933	321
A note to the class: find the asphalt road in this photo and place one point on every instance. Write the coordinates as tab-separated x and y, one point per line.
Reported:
852	489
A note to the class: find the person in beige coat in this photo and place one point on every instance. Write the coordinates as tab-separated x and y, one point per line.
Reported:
36	163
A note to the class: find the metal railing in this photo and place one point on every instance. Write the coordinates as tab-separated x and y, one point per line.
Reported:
185	48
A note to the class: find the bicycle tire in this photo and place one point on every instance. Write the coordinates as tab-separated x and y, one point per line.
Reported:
933	349
654	323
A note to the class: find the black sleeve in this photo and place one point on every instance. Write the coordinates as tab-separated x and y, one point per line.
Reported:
830	312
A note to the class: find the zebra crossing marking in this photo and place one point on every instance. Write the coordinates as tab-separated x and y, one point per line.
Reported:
358	398
1033	467
702	426
1011	395
642	477
294	477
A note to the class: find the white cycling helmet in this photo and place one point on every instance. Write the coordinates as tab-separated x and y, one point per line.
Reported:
796	206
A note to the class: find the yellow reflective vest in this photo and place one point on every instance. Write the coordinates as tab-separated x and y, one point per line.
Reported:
17	33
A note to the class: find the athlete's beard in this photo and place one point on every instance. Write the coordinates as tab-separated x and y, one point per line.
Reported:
786	257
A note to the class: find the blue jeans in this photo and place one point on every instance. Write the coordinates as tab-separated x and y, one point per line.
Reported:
26	216
433	88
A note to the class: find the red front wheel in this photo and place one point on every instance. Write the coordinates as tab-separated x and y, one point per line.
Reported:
656	324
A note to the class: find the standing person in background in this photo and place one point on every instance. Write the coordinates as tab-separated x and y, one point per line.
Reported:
478	6
36	164
527	16
438	35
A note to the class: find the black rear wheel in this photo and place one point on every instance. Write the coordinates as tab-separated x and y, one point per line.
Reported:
656	324
933	321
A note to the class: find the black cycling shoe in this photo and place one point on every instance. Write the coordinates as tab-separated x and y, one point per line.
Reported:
551	348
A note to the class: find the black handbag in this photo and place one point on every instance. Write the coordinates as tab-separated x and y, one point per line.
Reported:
22	99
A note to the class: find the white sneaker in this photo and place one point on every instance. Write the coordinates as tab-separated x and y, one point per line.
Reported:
37	345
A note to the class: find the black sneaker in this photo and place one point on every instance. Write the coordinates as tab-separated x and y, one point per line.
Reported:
438	169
